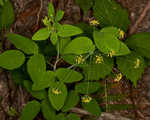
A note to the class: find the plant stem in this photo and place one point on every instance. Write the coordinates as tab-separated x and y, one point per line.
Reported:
57	58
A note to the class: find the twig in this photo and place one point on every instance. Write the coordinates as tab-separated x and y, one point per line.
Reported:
3	110
51	1
38	15
133	28
109	116
55	65
133	100
140	114
106	101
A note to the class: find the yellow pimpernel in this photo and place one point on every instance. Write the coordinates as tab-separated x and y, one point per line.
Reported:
118	77
86	99
122	33
79	59
137	63
111	53
99	59
94	23
56	91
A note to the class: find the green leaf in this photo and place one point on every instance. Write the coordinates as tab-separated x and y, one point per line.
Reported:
51	11
111	30
69	30
70	58
87	87
45	80
36	66
71	101
92	107
1	2
87	29
37	70
108	42
59	15
37	94
30	111
68	76
54	38
147	62
95	71
123	50
63	42
18	76
47	110
132	66
47	49
6	15
85	5
80	45
25	44
60	116
109	13
58	100
11	59
139	42
57	26
41	34
73	116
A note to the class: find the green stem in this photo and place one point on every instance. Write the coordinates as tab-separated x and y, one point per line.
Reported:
57	58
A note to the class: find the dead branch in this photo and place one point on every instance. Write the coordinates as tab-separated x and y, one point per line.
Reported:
38	15
133	28
107	116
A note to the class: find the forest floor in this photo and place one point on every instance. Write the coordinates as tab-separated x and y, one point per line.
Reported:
28	20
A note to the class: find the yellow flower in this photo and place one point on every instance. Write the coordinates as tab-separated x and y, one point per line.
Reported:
118	77
122	33
79	59
56	91
94	22
137	63
111	53
86	99
99	59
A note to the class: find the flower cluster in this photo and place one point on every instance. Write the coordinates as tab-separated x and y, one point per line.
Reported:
86	99
79	59
118	77
56	91
99	59
46	21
